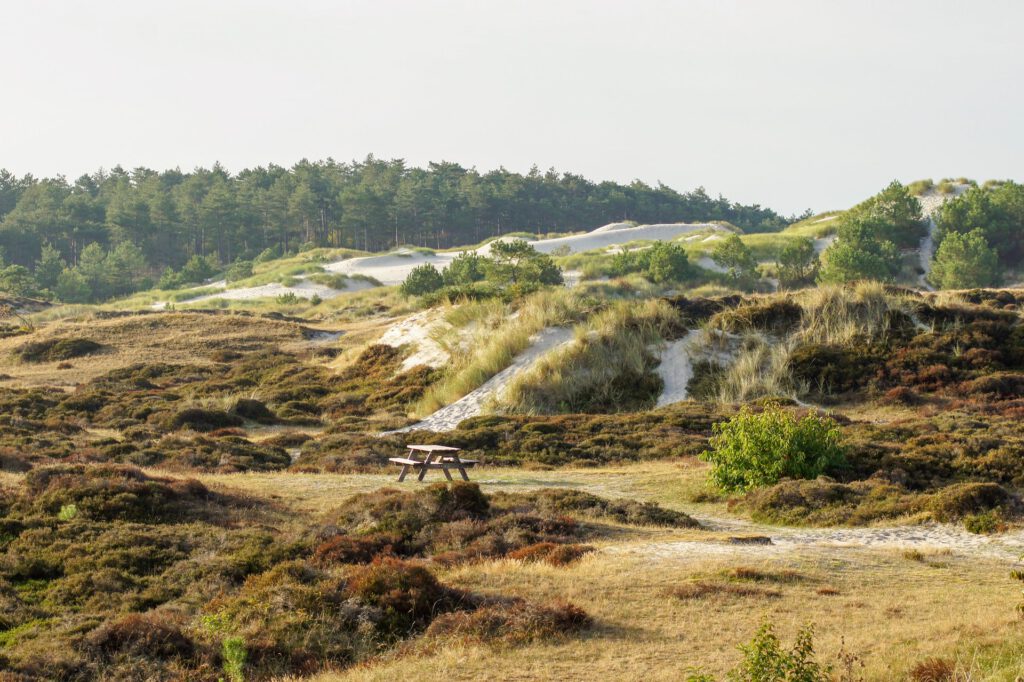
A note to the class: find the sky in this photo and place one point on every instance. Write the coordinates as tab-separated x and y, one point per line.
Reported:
791	104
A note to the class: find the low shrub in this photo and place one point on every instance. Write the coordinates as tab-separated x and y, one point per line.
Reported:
53	350
963	499
147	635
703	589
514	622
202	419
933	670
754	449
550	553
407	594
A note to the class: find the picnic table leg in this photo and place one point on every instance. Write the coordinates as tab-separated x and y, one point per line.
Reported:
447	474
462	469
405	470
423	469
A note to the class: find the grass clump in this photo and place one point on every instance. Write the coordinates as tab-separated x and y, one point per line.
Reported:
754	449
493	349
608	368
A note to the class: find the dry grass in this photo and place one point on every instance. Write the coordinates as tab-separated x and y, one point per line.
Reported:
494	347
168	337
891	614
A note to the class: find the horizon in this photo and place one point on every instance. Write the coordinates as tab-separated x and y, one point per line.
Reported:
799	105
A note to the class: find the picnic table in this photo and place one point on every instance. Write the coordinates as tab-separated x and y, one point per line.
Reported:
440	457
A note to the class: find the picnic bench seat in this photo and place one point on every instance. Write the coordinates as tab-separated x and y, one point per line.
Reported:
433	460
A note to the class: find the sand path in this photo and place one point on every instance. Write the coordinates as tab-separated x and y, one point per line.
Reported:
472	404
930	537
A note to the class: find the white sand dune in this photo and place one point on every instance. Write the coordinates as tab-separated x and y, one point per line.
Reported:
304	288
393	268
473	404
822	243
416	331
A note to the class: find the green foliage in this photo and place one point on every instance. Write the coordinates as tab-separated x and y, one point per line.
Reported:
666	262
516	263
998	211
860	252
235	654
733	255
760	448
18	281
197	270
67	512
870	236
797	264
764	659
48	267
662	262
240	269
897	214
267	212
964	261
421	280
72	287
466	268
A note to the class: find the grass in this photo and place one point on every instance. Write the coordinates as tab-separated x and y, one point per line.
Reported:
608	368
772	328
892	613
815	227
493	349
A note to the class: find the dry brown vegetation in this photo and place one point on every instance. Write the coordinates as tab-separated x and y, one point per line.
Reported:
290	540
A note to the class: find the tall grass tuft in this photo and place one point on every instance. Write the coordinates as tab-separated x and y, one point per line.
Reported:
829	316
494	347
608	368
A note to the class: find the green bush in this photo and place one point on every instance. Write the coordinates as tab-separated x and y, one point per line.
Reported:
240	269
764	659
423	279
755	449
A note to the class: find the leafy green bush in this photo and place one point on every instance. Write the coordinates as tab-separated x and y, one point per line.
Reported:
964	261
755	449
423	279
240	269
764	659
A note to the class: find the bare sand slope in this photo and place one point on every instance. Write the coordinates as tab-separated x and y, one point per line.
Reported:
392	268
473	403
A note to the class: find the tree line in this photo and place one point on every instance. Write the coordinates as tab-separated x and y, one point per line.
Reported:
374	204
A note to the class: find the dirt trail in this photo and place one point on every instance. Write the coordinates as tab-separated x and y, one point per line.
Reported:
926	537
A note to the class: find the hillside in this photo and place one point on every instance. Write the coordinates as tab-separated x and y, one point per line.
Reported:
675	423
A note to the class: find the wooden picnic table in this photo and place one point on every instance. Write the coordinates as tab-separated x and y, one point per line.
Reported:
440	457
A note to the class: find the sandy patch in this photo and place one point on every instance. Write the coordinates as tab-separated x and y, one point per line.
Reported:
472	404
393	268
676	369
416	331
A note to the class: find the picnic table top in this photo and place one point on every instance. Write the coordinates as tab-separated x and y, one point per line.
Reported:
432	448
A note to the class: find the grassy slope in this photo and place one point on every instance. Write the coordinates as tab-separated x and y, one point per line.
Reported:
890	609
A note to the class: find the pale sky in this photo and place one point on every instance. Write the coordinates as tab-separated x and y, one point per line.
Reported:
788	103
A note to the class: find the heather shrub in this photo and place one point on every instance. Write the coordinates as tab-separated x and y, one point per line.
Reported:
551	553
513	622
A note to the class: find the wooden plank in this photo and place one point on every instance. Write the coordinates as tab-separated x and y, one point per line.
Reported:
432	448
405	470
459	460
402	460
